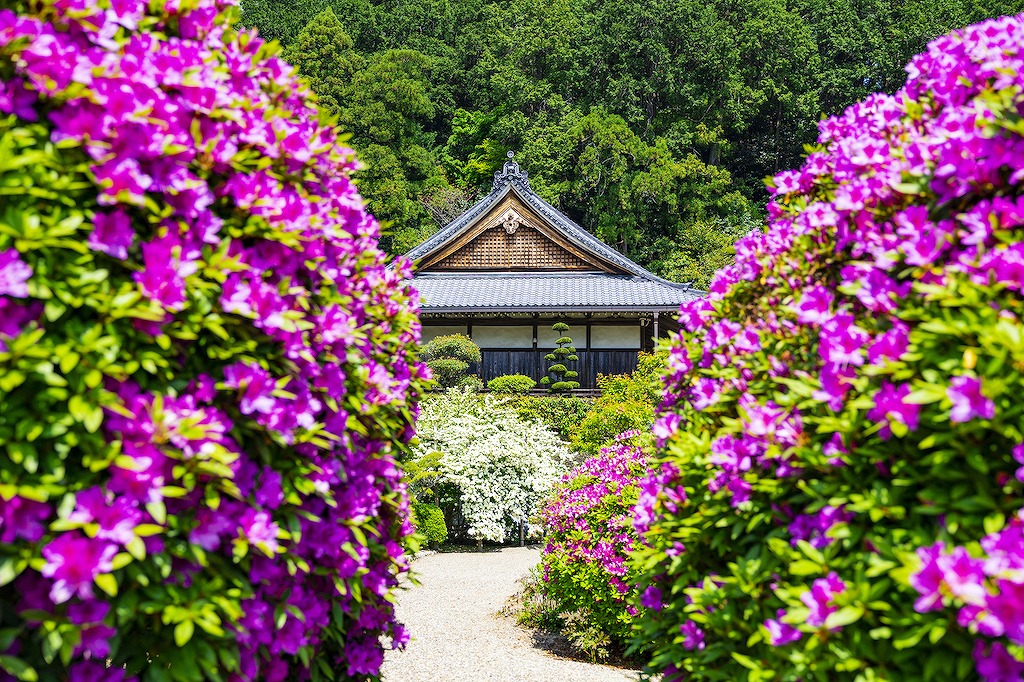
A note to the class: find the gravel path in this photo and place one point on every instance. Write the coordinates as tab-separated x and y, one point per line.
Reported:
458	636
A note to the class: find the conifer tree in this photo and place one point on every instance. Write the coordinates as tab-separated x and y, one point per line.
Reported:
562	357
322	53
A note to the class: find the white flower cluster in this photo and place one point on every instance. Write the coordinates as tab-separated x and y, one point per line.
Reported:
503	465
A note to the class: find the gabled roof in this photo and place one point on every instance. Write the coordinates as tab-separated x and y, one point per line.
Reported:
539	292
613	282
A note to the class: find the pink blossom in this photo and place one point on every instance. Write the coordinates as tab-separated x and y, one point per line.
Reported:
74	561
968	400
14	273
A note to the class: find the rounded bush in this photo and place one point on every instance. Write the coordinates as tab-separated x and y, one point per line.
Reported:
559	369
550	357
571	374
564	386
515	384
458	346
572	358
429	521
545	381
472	382
564	339
590	536
841	486
560	327
205	366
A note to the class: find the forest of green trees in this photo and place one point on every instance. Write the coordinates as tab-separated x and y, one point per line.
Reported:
651	123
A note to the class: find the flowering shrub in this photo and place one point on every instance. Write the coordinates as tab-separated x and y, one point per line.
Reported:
500	466
840	493
627	403
589	524
205	377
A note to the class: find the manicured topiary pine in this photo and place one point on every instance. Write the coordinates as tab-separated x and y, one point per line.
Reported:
840	496
205	365
560	377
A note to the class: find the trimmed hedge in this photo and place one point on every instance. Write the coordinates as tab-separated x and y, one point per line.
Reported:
205	366
512	384
429	521
840	496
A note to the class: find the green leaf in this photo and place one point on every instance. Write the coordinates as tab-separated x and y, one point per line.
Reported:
18	668
183	632
108	583
844	616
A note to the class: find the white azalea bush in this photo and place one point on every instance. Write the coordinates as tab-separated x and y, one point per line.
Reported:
500	465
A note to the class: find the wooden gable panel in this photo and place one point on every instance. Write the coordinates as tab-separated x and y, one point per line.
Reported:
512	237
526	249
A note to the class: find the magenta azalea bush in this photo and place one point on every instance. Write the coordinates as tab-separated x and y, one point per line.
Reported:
205	369
588	523
841	482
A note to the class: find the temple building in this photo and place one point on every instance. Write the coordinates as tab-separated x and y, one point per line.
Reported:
513	265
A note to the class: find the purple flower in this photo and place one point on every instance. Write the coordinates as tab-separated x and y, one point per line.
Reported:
14	273
997	664
890	405
22	518
968	400
819	598
891	345
74	561
651	598
363	657
815	306
780	633
954	574
842	341
693	636
260	530
1018	456
116	517
96	671
704	393
113	234
835	384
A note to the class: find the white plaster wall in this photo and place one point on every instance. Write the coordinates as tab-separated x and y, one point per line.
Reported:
432	332
546	336
615	336
503	336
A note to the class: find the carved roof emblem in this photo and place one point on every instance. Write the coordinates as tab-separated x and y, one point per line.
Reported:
511	221
511	173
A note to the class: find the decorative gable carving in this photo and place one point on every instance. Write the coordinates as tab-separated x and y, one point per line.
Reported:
524	248
511	237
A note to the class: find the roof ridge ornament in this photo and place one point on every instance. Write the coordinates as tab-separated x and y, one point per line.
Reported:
511	173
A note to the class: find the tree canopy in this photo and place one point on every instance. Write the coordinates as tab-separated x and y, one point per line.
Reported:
651	124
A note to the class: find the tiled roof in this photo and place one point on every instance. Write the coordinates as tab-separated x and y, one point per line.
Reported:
539	291
451	292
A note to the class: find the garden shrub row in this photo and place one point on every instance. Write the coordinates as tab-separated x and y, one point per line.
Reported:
839	496
206	378
588	542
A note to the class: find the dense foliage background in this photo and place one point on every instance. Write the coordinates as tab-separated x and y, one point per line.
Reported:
207	371
652	124
840	491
